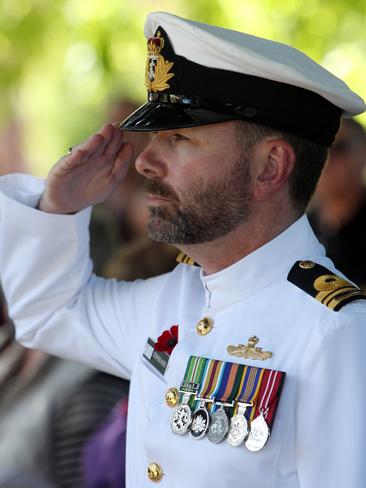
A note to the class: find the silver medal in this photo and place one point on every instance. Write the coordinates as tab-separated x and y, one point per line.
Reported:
219	426
259	434
181	417
200	422
239	428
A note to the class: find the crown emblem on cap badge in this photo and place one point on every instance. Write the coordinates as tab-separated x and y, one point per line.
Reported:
157	72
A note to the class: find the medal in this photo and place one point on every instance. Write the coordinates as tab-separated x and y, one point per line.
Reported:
201	417
219	424
224	389
258	435
181	417
200	421
238	426
254	392
246	397
259	429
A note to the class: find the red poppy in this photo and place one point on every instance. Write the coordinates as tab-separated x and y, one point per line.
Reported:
168	340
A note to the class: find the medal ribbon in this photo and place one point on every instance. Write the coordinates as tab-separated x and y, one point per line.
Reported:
195	369
225	382
230	383
212	379
269	395
249	388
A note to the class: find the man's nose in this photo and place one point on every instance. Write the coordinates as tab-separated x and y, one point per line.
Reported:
150	162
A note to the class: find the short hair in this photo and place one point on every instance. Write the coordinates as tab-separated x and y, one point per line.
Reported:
310	160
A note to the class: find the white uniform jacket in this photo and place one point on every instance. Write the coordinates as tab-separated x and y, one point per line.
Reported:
319	433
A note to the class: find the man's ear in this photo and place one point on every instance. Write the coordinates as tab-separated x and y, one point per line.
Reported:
274	161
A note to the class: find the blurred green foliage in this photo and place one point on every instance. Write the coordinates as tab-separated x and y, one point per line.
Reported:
62	63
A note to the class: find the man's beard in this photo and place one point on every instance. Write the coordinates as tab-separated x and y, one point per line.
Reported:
204	212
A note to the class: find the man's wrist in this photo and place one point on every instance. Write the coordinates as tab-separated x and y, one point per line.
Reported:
44	206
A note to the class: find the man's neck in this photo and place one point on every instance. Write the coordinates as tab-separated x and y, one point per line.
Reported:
224	251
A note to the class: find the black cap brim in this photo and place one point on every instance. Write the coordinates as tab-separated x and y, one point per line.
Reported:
154	116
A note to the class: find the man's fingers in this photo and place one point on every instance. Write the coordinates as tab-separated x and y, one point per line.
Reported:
121	163
93	146
107	133
105	147
115	143
96	144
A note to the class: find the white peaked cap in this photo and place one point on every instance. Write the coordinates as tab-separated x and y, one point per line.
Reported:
225	49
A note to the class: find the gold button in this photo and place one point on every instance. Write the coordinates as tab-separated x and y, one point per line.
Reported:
306	264
204	326
171	397
154	472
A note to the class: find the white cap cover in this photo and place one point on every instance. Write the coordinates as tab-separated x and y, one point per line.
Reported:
230	50
199	74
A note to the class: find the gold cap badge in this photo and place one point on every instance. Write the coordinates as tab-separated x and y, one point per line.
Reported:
249	351
157	71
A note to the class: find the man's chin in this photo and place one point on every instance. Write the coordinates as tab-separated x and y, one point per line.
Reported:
157	229
161	230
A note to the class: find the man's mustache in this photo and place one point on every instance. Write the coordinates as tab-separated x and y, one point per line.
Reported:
156	187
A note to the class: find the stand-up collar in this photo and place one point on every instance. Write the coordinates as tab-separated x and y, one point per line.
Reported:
263	266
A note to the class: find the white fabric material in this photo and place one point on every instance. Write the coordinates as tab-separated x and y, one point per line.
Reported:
318	437
216	47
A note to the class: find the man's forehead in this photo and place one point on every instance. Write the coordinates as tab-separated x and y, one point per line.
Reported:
226	127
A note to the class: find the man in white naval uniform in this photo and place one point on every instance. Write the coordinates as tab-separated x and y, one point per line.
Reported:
239	129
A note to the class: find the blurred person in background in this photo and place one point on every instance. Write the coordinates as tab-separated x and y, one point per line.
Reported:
28	378
31	382
338	210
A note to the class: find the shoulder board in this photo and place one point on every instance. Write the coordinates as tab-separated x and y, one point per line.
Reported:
183	258
329	289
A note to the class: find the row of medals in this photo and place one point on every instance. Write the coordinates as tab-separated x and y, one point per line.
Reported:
217	426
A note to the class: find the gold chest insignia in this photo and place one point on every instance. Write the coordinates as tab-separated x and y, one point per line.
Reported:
157	72
250	351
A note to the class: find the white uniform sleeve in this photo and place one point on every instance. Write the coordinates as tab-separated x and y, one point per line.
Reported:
331	420
57	304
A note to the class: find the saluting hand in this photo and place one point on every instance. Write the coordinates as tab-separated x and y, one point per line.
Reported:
89	174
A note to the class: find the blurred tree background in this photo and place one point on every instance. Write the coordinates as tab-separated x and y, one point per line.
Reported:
64	62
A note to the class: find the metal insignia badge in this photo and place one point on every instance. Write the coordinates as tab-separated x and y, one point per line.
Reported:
238	426
200	421
249	351
258	435
181	417
158	70
219	426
